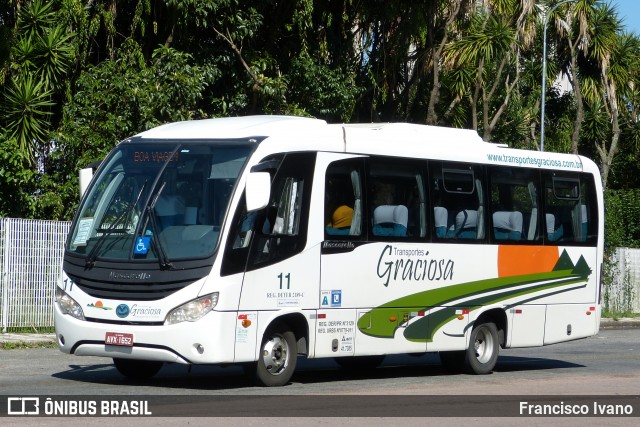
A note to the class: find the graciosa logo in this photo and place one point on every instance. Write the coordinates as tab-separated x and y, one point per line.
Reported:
397	264
145	312
122	310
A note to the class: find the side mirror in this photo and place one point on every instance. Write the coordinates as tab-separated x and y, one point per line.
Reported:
258	190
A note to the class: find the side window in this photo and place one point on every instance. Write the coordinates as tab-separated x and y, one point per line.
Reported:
570	208
281	230
278	231
397	199
515	214
288	207
237	247
458	198
343	199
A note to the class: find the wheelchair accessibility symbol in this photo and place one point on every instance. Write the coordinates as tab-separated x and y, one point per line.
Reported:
142	245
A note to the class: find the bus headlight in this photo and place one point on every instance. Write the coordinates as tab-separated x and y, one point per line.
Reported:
68	305
193	310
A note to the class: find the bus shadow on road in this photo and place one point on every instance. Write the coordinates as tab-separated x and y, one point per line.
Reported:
171	376
423	366
309	371
521	363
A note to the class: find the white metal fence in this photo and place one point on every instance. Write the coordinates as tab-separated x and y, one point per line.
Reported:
31	262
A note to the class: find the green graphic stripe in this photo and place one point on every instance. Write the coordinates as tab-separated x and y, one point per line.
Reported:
424	329
376	322
441	296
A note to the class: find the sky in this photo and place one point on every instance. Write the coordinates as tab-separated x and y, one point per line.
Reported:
629	12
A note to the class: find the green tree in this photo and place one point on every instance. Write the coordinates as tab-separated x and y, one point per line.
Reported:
13	176
490	53
324	92
605	78
25	110
40	58
77	76
577	35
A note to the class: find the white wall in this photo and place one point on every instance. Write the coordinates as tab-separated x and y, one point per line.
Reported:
624	292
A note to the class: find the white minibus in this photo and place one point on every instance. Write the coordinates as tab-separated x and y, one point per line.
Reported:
255	240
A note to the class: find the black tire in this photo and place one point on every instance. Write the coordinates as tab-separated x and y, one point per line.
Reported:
482	353
359	363
453	361
137	369
278	356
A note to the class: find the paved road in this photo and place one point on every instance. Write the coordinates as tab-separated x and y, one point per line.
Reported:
607	364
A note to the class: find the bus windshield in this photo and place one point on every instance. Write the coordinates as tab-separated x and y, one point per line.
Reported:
157	202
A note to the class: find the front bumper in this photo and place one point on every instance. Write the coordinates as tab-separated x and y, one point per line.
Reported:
209	340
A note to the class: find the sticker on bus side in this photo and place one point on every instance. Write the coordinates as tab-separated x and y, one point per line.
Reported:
332	298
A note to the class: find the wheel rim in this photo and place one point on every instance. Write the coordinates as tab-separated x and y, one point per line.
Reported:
483	345
275	355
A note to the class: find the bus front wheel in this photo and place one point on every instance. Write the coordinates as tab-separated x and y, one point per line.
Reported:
482	353
278	356
137	369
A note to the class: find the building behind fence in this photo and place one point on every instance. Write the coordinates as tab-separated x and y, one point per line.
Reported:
31	253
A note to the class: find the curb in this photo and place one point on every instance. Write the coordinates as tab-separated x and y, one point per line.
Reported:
623	323
15	340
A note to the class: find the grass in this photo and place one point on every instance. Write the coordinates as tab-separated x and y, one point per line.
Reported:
32	330
21	345
616	315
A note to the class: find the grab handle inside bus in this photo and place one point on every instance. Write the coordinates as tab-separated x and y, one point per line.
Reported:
258	190
84	179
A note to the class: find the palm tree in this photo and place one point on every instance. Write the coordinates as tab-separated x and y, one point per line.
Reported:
572	23
40	58
25	110
442	22
492	46
616	58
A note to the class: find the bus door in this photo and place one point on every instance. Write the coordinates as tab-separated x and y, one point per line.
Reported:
354	316
281	273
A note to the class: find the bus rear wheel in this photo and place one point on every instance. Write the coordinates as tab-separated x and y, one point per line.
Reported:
482	354
137	369
278	356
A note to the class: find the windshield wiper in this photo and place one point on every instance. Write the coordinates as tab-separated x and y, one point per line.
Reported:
163	259
93	255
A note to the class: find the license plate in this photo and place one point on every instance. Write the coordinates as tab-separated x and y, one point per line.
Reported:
117	338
